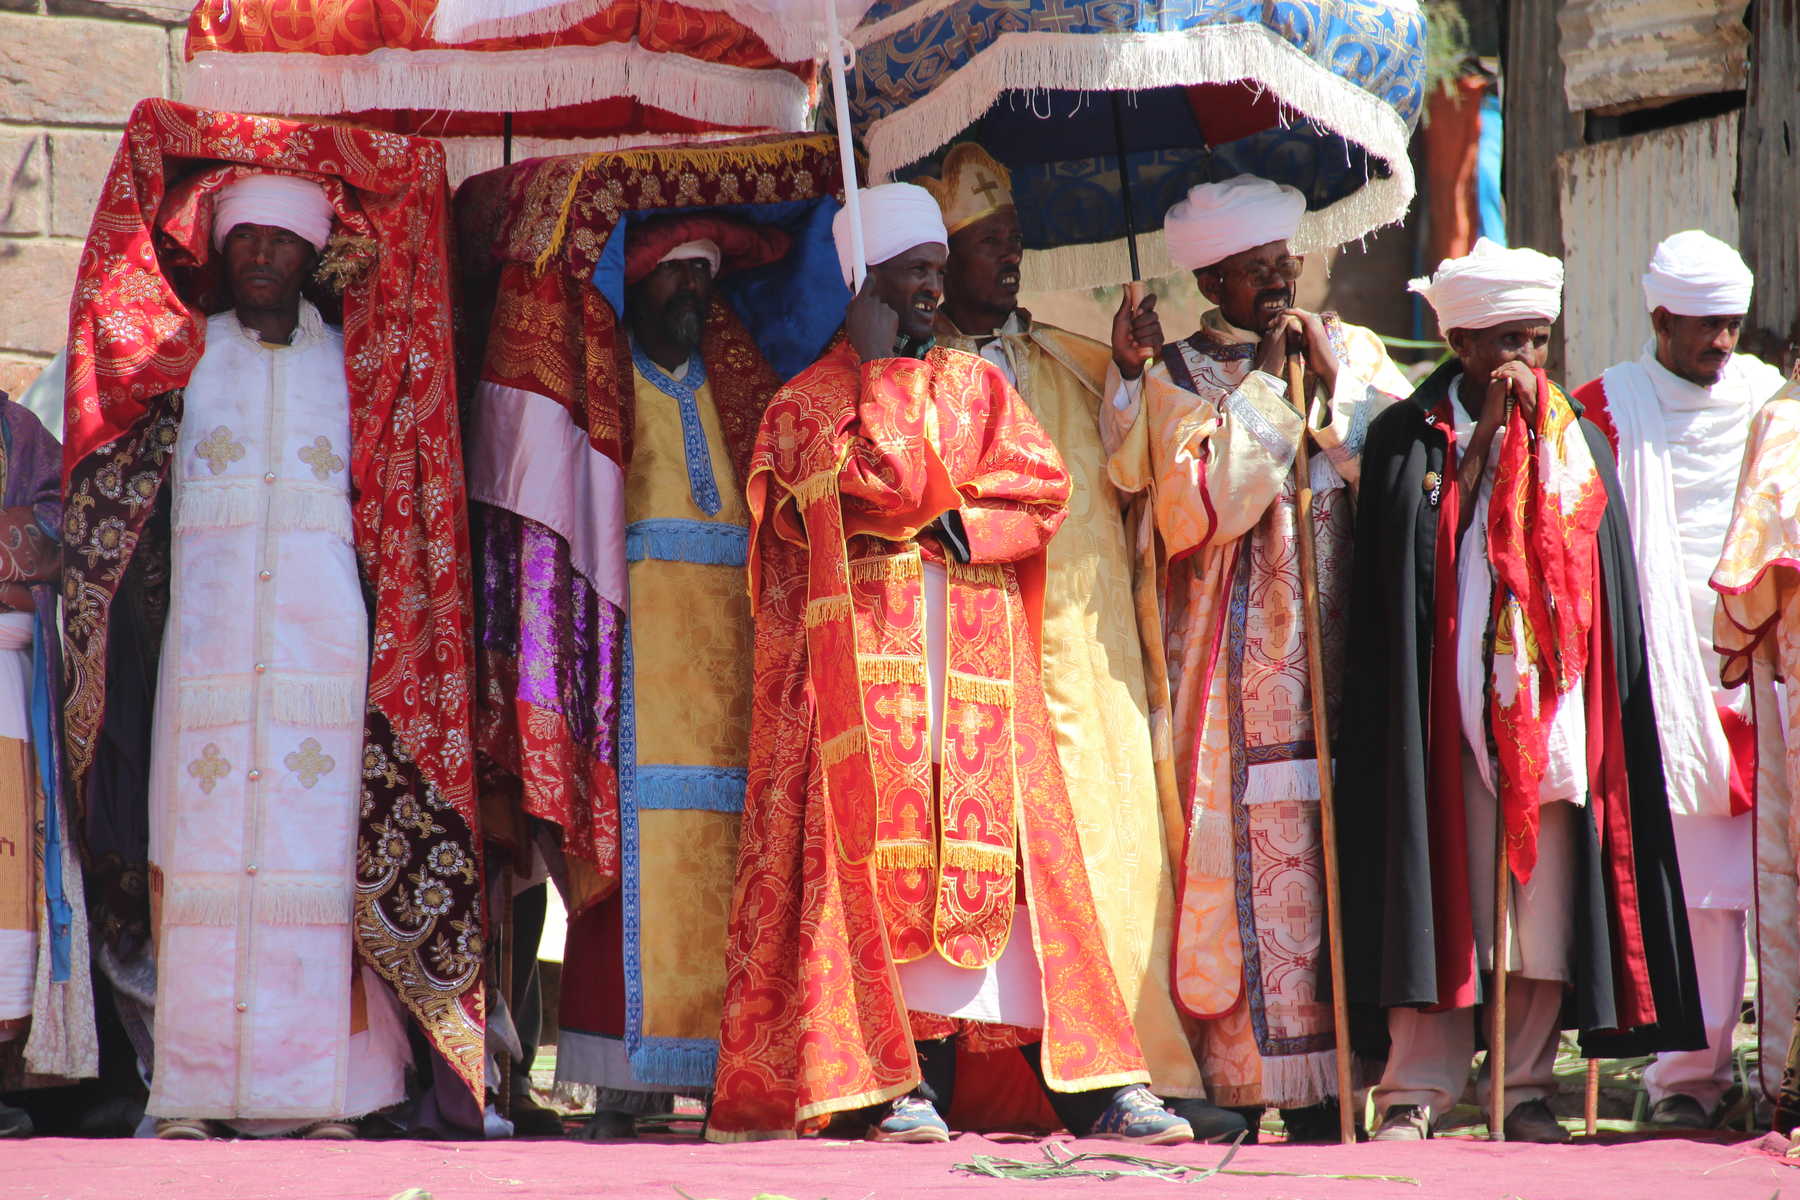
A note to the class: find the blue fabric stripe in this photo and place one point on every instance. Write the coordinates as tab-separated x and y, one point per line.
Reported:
697	789
703	484
686	1062
672	539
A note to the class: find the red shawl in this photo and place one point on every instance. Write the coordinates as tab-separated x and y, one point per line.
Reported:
134	340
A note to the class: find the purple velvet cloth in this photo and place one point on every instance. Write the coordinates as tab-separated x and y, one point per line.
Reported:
533	608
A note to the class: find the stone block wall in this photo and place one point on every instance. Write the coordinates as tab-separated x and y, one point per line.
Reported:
70	72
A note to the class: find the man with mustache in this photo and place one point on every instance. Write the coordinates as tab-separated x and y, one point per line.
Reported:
910	871
1093	658
1679	415
1207	432
697	388
1495	683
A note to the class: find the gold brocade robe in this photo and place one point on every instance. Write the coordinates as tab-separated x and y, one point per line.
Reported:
1094	682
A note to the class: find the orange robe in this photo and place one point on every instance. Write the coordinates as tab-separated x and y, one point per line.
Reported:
853	857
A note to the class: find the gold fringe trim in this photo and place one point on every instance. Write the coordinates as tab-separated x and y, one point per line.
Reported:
714	158
561	228
827	608
998	692
905	856
986	573
978	856
835	751
897	568
816	486
890	668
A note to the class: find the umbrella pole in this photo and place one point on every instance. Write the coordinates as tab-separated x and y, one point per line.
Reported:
1315	671
506	139
1134	291
1502	955
840	100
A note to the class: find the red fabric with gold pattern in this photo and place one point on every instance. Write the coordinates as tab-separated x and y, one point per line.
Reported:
741	244
133	341
852	459
1547	504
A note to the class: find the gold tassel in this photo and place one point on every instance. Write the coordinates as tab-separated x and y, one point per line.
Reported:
561	229
978	856
989	574
905	856
827	608
714	158
894	568
816	486
835	751
998	692
890	668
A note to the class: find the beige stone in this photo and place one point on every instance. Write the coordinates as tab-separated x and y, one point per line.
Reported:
78	72
78	166
34	304
159	12
23	182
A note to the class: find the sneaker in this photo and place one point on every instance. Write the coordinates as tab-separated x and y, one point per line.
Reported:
1135	1116
910	1119
1533	1121
1403	1123
1211	1123
1679	1111
176	1129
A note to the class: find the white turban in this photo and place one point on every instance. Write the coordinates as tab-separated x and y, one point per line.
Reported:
1694	274
295	204
1218	220
704	248
895	217
1492	285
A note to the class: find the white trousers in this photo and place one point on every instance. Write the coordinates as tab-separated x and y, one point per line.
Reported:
1429	1062
1719	961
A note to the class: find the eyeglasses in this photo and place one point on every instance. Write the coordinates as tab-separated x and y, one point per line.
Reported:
1257	274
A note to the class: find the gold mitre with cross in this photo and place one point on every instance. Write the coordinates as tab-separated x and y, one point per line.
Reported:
971	187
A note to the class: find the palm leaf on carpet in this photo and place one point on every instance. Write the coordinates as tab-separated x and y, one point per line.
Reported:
1060	1164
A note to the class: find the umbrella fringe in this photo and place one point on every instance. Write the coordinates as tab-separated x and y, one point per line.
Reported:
505	80
1239	53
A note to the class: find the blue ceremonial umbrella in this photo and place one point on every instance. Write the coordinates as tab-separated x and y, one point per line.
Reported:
1319	94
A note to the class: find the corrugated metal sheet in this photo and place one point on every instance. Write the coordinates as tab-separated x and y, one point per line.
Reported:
1619	199
1620	52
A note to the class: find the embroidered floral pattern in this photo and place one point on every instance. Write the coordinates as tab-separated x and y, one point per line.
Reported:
319	457
220	449
310	762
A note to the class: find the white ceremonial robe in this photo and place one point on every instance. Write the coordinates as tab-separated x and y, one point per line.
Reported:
1681	446
257	751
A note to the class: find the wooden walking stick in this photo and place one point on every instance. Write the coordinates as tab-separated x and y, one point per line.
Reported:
1315	673
1502	953
1591	1105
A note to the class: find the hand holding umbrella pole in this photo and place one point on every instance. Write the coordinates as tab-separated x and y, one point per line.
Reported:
1315	671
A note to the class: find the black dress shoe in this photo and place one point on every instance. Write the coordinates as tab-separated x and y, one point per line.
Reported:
1679	1111
1209	1122
1314	1123
1533	1121
14	1122
531	1119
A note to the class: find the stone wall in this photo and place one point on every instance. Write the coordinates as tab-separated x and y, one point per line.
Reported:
70	72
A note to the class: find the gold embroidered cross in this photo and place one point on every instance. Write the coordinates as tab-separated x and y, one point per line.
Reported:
319	457
904	710
985	187
971	724
309	762
220	449
210	767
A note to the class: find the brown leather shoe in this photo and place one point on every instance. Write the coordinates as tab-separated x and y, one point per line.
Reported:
1533	1121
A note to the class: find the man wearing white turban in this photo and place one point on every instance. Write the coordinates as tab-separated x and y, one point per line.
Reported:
903	776
1495	668
1204	437
247	763
1679	415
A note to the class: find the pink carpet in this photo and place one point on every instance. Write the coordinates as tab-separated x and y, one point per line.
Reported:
1446	1169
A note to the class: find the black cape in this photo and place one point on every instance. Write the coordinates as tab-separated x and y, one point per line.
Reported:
1382	782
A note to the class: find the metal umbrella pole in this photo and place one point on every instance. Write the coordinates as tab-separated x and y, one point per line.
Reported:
837	49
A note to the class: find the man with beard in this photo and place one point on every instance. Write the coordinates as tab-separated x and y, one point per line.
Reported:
1209	432
686	682
1496	677
1680	414
910	869
1093	658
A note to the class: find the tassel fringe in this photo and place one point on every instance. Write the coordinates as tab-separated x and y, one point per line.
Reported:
1274	783
1210	852
827	608
209	705
1235	53
815	488
291	508
1299	1080
998	692
316	702
978	856
890	668
905	856
835	751
274	903
897	568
